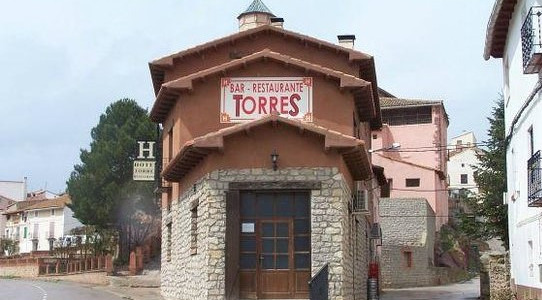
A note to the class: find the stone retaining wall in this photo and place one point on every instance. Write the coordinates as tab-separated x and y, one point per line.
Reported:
25	271
495	277
408	239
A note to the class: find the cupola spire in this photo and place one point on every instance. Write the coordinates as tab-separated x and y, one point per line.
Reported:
257	14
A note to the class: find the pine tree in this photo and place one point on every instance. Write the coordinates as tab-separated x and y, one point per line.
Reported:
101	187
490	213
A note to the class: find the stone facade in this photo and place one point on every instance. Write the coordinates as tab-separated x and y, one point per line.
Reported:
23	270
495	278
407	257
201	274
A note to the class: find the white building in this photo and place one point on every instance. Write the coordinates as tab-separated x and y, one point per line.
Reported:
14	190
461	162
514	35
36	224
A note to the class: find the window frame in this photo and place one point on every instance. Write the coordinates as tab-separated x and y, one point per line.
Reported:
412	182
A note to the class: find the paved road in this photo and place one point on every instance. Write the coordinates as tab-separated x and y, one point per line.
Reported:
461	291
18	289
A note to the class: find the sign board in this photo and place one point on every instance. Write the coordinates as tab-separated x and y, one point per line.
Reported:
144	170
145	165
247	228
245	99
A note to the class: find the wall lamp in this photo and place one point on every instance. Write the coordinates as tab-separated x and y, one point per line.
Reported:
274	159
393	146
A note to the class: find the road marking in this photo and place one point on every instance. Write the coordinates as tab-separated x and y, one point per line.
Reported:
42	290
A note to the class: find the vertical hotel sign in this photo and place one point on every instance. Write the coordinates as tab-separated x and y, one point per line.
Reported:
249	98
145	164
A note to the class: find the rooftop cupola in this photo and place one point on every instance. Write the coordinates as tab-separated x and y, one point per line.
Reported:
257	14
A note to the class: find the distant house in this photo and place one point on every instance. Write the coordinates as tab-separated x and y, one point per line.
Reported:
36	224
461	162
463	157
418	168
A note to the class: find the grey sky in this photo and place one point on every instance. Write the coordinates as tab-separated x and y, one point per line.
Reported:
64	61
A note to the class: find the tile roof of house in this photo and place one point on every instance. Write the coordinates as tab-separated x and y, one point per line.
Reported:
61	201
5	202
388	102
169	91
257	6
158	66
20	206
366	63
497	28
353	150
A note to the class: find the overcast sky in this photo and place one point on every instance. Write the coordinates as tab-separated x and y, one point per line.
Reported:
64	61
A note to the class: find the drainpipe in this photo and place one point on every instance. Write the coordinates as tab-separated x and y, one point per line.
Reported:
526	104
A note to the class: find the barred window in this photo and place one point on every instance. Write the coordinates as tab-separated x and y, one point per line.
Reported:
168	243
194	229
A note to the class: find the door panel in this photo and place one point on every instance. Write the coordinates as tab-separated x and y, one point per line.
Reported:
275	259
274	244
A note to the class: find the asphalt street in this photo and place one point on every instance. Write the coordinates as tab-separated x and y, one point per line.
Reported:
468	290
18	289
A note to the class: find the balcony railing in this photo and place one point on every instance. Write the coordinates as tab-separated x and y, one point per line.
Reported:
534	171
531	41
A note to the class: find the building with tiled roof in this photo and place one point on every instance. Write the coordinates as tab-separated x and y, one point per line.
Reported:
418	169
266	131
36	224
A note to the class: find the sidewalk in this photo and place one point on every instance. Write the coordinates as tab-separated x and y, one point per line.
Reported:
132	293
140	287
469	289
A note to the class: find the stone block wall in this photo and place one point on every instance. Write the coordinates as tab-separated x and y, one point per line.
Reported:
408	239
495	278
201	275
22	270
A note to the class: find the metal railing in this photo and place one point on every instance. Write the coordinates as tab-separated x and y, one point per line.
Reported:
534	171
319	284
531	40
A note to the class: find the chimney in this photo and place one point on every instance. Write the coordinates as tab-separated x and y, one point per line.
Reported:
347	40
25	189
277	22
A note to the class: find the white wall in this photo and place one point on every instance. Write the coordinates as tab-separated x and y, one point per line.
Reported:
14	190
69	221
462	163
63	223
525	223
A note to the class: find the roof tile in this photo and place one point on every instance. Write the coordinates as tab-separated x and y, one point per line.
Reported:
401	102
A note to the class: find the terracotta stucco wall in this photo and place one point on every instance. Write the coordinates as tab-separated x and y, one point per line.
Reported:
253	150
197	113
291	47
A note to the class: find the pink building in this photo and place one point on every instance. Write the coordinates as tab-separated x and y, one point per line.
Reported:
418	168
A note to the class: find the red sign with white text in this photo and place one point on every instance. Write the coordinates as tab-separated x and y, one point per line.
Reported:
249	98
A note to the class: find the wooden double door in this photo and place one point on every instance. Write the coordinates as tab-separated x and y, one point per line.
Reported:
274	248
